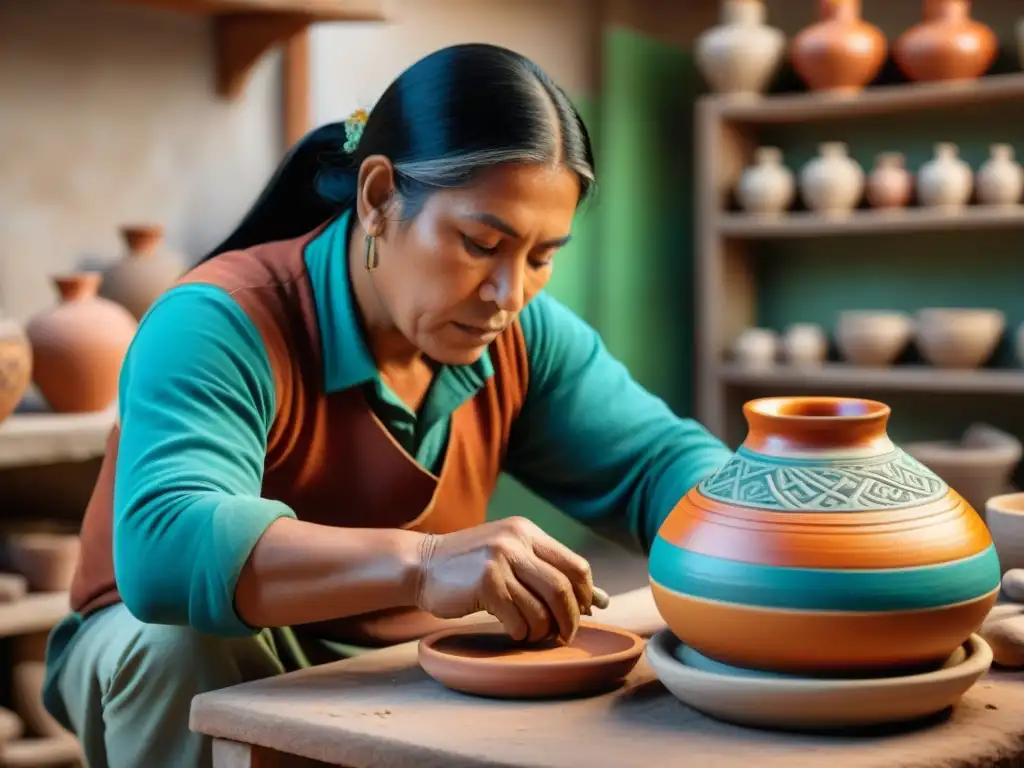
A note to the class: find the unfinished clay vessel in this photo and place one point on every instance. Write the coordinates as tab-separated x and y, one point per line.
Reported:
804	344
766	187
833	182
739	56
79	346
1000	180
824	549
957	337
946	181
15	366
872	337
484	661
1004	515
756	348
947	45
841	53
147	270
890	185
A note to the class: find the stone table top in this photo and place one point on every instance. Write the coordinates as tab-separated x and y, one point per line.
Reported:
382	710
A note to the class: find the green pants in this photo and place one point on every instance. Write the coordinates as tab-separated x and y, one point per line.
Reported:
125	688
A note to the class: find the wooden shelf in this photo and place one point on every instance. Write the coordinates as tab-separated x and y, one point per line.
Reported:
882	100
905	378
867	222
34	436
245	30
36	612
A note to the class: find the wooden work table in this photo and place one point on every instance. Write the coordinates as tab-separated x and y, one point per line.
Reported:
381	710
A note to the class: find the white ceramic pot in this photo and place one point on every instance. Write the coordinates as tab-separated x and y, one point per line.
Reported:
832	183
766	188
945	181
872	338
756	348
740	55
957	337
1004	515
1000	179
804	344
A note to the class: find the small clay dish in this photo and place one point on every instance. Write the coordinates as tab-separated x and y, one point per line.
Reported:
482	660
793	703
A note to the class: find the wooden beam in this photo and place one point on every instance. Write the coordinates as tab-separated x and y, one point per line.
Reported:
242	40
296	103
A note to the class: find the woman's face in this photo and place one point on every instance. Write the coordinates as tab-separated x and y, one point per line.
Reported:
460	272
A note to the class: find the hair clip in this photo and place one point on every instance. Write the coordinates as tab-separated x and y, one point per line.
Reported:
354	125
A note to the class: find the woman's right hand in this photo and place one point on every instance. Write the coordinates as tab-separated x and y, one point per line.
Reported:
535	586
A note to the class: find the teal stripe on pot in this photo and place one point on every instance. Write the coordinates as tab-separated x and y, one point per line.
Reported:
819	589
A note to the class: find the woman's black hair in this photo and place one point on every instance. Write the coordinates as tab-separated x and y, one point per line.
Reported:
448	116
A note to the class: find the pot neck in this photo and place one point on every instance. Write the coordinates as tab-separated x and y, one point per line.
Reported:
817	427
746	13
77	286
947	10
839	10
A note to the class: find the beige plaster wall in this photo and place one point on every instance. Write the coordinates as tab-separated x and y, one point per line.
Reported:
353	64
108	115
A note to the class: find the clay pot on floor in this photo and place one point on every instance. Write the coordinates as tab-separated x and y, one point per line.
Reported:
79	345
739	56
15	366
841	53
890	185
766	187
832	183
945	182
947	45
1000	180
146	271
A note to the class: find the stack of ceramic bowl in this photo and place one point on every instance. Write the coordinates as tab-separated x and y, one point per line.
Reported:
823	578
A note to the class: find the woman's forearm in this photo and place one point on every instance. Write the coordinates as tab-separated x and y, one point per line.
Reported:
300	573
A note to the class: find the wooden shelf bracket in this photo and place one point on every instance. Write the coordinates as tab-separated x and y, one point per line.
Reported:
243	38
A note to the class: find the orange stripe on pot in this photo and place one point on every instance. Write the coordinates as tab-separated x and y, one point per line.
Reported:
808	642
941	532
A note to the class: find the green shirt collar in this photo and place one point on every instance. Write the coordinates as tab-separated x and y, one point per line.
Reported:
347	360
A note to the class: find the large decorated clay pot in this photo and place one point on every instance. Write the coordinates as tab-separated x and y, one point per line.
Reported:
822	548
146	271
79	346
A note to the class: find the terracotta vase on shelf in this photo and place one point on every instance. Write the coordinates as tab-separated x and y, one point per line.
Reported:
766	187
739	56
947	45
841	53
890	185
79	345
146	271
824	549
15	366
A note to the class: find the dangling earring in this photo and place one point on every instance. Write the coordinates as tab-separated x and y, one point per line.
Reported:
371	253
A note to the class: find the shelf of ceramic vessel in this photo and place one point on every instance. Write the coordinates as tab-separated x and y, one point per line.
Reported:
880	100
909	378
36	612
868	222
34	436
245	30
